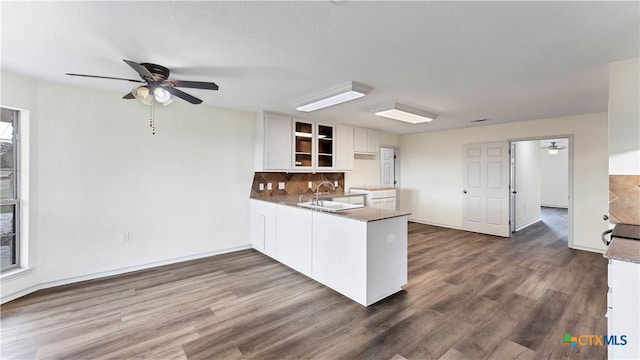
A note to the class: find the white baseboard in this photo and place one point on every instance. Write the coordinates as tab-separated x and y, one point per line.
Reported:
590	249
554	206
436	224
102	274
528	224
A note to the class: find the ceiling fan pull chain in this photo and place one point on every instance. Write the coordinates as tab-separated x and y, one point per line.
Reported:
151	123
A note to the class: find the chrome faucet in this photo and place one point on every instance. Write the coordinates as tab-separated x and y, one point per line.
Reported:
333	188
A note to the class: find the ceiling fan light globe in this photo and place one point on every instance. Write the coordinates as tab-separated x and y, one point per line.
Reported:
141	92
161	95
147	101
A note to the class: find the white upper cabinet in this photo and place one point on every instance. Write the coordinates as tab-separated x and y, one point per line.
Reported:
325	146
373	142
344	147
313	145
365	141
273	142
284	143
304	143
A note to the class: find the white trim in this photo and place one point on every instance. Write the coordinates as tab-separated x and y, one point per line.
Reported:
528	224
555	206
15	274
45	285
570	207
590	249
437	224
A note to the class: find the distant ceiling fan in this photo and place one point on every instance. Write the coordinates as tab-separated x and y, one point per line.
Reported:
553	149
158	86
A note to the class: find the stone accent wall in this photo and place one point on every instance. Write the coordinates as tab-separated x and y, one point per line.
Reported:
624	199
295	183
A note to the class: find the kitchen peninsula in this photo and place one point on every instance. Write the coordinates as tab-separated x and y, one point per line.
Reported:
360	253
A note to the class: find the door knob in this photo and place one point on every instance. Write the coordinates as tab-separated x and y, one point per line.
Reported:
464	191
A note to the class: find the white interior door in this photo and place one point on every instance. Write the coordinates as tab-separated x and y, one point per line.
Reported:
486	188
387	167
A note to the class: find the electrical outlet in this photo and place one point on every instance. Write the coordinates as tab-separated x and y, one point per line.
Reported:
124	237
310	184
391	238
281	185
261	187
335	183
269	186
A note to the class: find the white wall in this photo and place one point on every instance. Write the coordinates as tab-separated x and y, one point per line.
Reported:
96	172
554	178
527	183
431	166
624	117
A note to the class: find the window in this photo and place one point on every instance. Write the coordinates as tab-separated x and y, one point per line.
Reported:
9	195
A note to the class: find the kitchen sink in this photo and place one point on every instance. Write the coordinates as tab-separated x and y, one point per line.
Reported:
330	206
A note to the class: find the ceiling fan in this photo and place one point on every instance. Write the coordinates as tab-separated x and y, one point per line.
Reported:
158	86
553	148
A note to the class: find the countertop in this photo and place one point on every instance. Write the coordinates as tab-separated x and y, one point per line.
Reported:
624	249
373	188
361	214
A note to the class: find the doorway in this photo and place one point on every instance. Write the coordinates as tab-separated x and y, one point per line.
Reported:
540	184
390	170
388	167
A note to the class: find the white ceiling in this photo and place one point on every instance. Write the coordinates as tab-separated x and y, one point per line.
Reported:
505	61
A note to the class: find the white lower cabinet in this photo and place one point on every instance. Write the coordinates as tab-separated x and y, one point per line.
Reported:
389	203
356	200
365	261
293	244
382	199
623	310
262	226
378	203
339	255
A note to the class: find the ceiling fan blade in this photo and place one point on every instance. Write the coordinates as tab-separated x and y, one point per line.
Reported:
182	95
143	71
104	77
194	84
129	96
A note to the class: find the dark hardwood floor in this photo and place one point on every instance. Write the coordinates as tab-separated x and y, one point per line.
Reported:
469	296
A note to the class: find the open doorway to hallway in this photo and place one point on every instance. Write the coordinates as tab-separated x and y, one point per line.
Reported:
540	185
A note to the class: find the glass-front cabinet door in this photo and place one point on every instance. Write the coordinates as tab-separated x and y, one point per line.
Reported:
325	146
303	143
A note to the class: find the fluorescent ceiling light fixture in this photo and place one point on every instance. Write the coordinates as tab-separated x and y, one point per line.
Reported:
406	113
346	92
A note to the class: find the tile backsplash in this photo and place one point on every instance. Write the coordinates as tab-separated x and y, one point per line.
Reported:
624	199
294	183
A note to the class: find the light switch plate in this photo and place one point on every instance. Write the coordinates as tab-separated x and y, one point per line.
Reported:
335	183
281	185
261	187
310	184
269	186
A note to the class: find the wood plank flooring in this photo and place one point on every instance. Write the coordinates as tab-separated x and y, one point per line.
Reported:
469	296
